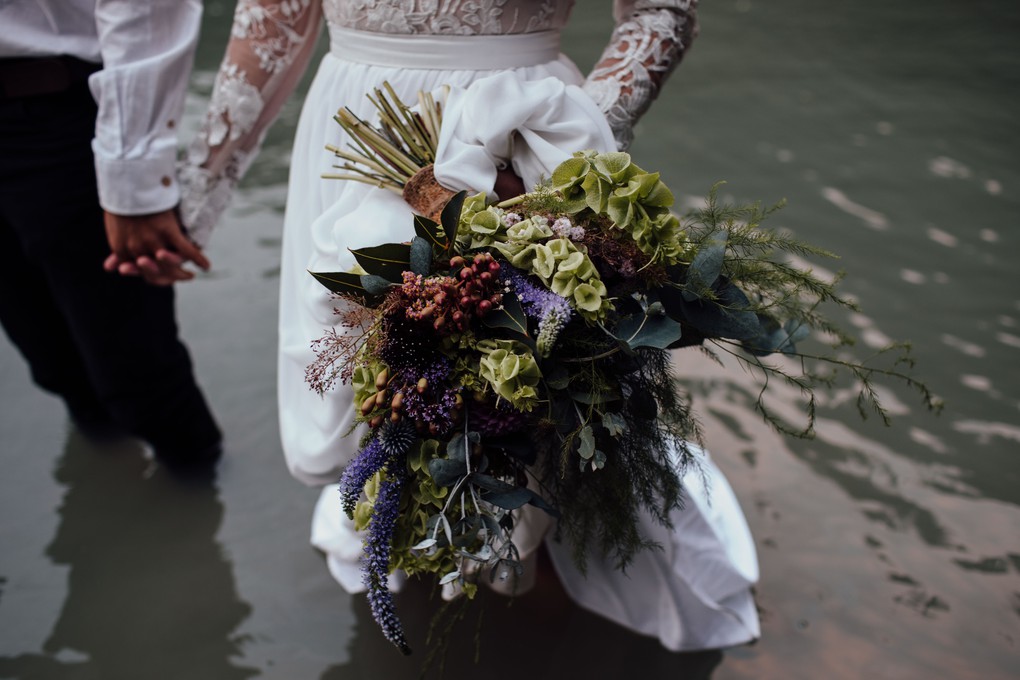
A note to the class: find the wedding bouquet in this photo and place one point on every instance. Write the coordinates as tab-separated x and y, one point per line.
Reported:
519	354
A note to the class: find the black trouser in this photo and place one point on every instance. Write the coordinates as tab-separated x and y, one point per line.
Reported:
106	344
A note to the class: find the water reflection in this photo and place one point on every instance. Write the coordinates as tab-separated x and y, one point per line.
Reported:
541	634
150	592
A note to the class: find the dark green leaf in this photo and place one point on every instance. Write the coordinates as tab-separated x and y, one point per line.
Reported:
450	217
490	483
726	317
343	283
658	331
389	260
601	397
509	316
430	231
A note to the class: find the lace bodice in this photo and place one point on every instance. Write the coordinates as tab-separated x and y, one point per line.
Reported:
449	17
272	40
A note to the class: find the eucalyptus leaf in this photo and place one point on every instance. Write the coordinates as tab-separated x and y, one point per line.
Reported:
614	423
509	500
704	270
556	376
449	578
491	525
447	472
728	316
374	285
424	545
489	483
586	447
420	257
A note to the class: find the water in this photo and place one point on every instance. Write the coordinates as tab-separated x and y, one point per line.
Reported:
890	128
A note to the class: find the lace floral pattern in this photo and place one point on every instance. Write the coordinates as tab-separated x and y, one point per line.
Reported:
271	41
645	48
449	17
267	40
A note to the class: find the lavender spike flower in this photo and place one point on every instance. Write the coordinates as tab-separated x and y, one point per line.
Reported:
391	441
376	564
550	310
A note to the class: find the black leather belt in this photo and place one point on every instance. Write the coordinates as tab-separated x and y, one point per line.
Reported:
37	76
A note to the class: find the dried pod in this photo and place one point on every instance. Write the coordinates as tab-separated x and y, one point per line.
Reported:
368	405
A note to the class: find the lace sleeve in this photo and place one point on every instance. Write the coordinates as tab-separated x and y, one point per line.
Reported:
650	39
270	45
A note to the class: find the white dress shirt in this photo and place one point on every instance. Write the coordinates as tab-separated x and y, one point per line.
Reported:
147	50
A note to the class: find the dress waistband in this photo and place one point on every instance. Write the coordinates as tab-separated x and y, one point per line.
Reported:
446	52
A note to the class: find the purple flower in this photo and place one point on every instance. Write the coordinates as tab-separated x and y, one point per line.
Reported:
376	564
369	460
436	404
541	304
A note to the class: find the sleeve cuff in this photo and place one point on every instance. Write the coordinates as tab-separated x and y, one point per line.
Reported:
138	186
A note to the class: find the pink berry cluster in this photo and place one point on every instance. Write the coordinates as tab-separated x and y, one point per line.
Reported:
480	289
449	302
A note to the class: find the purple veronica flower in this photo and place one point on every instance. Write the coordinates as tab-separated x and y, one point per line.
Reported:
369	460
376	564
390	441
538	302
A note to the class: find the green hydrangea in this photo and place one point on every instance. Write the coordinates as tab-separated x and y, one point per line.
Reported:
511	370
480	224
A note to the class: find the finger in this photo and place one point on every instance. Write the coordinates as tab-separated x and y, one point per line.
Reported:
169	272
148	267
190	251
127	269
111	262
168	257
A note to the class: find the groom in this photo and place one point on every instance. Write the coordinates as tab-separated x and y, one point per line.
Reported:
90	95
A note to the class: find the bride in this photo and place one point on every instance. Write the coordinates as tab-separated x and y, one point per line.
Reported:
693	594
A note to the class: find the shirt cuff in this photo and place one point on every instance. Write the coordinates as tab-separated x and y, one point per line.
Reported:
137	186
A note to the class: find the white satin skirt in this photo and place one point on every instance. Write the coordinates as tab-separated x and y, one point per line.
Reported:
531	114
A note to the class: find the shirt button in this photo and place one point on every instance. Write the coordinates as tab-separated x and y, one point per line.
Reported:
166	181
170	124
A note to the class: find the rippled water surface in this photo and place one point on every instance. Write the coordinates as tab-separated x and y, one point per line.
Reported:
891	130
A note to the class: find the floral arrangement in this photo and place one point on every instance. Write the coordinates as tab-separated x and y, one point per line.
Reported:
520	353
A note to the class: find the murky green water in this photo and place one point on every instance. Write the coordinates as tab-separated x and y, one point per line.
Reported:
891	129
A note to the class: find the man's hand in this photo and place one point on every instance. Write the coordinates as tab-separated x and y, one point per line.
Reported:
151	246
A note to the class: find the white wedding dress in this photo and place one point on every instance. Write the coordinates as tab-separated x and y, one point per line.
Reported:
694	594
